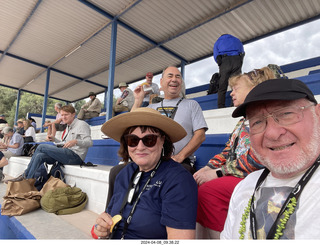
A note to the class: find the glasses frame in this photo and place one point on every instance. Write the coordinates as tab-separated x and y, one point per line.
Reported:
300	108
144	140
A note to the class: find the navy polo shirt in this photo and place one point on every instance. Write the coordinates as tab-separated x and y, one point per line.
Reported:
170	199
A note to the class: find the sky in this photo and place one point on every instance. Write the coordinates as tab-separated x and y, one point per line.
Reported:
296	44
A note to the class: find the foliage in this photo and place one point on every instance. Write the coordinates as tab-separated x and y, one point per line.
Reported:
28	103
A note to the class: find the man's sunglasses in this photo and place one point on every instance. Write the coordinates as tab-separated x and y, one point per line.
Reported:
149	140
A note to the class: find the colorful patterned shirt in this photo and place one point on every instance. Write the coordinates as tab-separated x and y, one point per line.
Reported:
245	162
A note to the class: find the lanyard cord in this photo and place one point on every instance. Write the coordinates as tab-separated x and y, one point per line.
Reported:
125	200
172	113
296	192
64	136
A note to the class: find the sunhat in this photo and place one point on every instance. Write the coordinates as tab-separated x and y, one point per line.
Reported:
143	116
275	89
122	85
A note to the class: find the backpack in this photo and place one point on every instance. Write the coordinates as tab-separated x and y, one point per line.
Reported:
64	200
278	73
214	84
44	172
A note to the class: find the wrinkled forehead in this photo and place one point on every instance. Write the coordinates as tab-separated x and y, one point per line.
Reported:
268	106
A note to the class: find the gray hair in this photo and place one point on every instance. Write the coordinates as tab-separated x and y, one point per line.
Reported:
58	105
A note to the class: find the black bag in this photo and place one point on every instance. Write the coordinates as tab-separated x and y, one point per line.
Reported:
29	149
214	83
43	174
28	139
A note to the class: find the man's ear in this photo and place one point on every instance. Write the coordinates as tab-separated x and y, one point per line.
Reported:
317	109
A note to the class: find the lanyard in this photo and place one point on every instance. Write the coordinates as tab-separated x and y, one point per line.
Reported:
125	200
296	192
173	111
65	133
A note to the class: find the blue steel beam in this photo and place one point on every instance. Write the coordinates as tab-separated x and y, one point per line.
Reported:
52	69
109	16
111	69
21	29
45	100
27	91
17	107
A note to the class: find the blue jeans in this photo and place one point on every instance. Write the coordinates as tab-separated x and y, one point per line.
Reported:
50	154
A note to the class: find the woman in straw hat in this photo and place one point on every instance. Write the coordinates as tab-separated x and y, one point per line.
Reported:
154	196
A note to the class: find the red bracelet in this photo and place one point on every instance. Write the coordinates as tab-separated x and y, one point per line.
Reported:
94	234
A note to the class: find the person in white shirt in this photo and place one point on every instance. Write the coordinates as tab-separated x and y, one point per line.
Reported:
281	201
30	133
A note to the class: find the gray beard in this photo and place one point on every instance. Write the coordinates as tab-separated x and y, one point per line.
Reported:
303	159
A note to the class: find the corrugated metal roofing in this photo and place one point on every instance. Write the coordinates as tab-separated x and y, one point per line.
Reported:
73	37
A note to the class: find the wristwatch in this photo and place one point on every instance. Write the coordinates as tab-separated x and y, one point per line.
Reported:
219	173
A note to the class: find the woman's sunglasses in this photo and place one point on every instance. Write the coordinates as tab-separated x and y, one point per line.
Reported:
149	140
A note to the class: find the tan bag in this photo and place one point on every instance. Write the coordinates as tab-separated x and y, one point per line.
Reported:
52	184
21	197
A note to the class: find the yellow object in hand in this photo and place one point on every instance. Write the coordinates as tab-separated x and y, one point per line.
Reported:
115	220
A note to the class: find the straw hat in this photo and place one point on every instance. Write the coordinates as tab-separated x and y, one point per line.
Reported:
143	116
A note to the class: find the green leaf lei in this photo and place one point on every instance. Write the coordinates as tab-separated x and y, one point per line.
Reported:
289	210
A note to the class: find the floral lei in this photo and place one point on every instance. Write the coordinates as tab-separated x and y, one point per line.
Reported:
289	210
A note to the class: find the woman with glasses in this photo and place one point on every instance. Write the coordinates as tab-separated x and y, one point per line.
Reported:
224	171
154	196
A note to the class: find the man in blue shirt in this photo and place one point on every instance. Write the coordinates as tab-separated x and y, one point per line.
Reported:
228	53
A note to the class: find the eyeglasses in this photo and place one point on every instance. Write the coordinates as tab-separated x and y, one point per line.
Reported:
285	117
254	73
134	189
149	140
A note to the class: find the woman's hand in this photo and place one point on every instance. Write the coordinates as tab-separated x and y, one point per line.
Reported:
103	225
204	175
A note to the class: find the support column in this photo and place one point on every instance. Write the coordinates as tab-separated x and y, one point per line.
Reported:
111	70
45	100
17	107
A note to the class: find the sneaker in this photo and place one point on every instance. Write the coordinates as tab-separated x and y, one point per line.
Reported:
19	178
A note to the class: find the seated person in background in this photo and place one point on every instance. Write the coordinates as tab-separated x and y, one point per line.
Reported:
284	119
2	126
90	109
33	123
20	128
74	145
57	125
3	119
30	133
225	170
15	145
151	90
3	162
156	196
126	100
